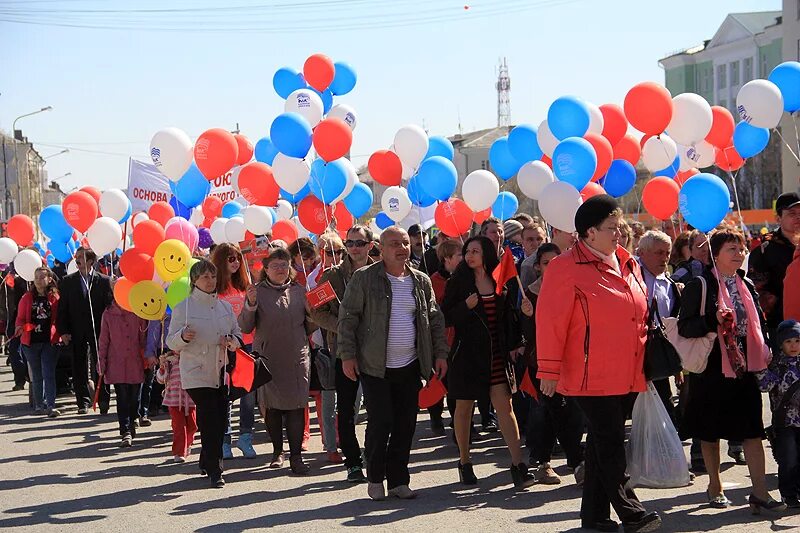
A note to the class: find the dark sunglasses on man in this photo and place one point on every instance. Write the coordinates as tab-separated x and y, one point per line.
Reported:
331	253
349	243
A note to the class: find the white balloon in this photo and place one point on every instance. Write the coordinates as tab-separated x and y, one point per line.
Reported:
346	113
547	141
659	152
72	267
558	203
596	120
691	119
114	204
760	103
291	174
700	155
411	145
480	189
197	217
408	170
172	152
395	203
307	103
686	164
8	250
104	235
257	219
26	262
533	177
284	209
352	179
140	217
235	230
376	231
217	230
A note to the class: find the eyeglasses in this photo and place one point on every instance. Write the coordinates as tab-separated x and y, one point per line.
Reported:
234	259
358	244
331	253
278	266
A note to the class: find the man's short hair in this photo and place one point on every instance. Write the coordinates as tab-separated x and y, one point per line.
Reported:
651	237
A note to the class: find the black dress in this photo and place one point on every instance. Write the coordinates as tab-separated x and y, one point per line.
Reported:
717	407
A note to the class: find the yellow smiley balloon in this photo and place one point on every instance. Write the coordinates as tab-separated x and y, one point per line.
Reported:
172	259
148	300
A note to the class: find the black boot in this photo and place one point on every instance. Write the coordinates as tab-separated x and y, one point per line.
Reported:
522	479
466	476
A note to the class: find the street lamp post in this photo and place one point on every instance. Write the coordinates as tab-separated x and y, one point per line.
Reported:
64	151
62	176
9	202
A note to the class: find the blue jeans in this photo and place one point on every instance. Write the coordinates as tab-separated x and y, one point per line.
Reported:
787	453
17	360
247	415
127	406
42	359
144	395
327	419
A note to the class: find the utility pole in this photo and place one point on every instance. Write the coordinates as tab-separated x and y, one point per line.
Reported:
236	131
503	87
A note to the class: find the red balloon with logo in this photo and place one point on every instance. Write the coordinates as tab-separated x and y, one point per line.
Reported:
80	210
453	217
257	184
215	152
313	215
212	207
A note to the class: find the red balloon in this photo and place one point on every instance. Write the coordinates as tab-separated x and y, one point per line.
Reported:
20	229
285	230
479	216
547	160
660	197
94	192
643	140
605	154
648	107
682	176
257	184
161	212
615	125
344	219
728	159
591	189
212	207
318	70
147	235
721	128
245	149
313	214
385	167
628	149
215	152
136	265
332	139
454	217
80	210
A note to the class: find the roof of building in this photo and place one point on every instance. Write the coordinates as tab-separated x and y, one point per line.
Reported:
480	138
758	21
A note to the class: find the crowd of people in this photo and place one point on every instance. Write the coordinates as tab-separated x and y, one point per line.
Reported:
574	317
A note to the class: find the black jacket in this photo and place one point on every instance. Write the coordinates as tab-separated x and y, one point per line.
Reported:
74	317
767	268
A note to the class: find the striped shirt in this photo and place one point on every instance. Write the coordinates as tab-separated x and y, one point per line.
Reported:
401	343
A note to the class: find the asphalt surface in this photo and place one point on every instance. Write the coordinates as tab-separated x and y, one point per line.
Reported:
70	474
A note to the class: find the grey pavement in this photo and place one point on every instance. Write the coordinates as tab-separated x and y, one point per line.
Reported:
68	474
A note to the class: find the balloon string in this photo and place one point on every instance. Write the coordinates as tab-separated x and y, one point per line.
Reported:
736	197
776	130
796	134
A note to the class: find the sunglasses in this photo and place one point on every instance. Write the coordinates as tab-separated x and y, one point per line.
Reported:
234	259
331	253
349	243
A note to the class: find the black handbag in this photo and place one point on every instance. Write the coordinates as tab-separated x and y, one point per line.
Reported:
323	370
661	360
261	376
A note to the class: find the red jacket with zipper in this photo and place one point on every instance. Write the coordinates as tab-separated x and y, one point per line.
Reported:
591	324
24	318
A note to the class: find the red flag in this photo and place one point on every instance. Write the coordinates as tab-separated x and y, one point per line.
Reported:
97	392
243	371
321	294
505	271
527	385
9	280
431	393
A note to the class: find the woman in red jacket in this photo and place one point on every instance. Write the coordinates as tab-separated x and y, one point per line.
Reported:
36	325
590	335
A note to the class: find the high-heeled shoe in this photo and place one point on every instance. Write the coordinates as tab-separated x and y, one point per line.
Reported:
720	501
757	505
466	476
522	478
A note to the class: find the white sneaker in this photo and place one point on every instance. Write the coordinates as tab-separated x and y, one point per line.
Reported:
178	459
376	491
403	492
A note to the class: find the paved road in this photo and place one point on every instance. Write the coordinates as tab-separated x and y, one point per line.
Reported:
59	474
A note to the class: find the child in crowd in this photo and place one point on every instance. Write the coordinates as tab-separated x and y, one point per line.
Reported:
181	407
782	380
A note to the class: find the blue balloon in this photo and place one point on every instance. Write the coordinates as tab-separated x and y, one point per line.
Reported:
568	116
440	146
231	209
437	177
619	179
503	163
523	141
329	183
574	161
327	99
291	135
286	81
672	170
265	151
344	79
180	209
749	140
505	206
129	212
63	251
54	225
704	201
417	196
51	261
787	77
359	200
192	188
383	221
295	198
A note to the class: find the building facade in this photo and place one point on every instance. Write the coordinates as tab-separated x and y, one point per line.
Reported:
22	178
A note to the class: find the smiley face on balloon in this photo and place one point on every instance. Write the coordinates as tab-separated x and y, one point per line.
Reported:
148	300
172	259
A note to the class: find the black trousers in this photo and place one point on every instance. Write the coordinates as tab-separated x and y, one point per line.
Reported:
127	406
664	390
392	407
212	413
346	392
294	421
606	462
554	417
84	368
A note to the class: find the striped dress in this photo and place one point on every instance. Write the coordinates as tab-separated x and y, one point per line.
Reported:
498	359
174	395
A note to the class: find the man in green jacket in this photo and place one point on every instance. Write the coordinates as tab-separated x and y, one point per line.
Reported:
391	334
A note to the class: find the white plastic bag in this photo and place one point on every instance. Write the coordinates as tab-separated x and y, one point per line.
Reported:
655	453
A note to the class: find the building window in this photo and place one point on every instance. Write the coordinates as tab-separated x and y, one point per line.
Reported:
722	78
798	9
747	68
484	164
798	49
764	65
708	86
734	74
